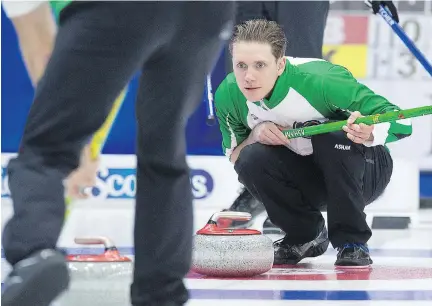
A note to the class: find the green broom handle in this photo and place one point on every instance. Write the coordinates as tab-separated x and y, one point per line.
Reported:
368	120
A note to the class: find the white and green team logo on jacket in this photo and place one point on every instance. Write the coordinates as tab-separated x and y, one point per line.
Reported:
308	89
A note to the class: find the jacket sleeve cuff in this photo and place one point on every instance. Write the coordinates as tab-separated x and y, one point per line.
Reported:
380	134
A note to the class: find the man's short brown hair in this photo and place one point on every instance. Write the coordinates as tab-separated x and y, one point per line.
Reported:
261	31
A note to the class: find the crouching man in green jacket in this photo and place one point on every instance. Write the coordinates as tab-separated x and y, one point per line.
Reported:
294	179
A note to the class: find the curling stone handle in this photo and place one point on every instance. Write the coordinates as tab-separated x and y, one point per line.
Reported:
234	215
108	244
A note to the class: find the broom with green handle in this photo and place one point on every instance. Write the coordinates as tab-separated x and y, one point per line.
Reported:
368	120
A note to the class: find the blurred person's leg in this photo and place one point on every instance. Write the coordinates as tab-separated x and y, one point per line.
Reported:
304	23
99	47
171	87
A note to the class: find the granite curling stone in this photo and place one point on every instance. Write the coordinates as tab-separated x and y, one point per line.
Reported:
227	252
98	279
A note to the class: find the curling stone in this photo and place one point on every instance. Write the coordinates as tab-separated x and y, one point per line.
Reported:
228	252
98	279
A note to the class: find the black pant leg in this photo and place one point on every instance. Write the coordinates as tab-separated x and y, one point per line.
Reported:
171	87
378	172
354	176
290	186
304	23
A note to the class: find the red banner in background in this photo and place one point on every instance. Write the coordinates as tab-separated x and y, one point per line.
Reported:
345	42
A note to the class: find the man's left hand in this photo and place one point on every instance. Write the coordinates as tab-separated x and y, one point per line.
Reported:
358	133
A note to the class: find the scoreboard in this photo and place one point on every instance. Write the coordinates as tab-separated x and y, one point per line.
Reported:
366	44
